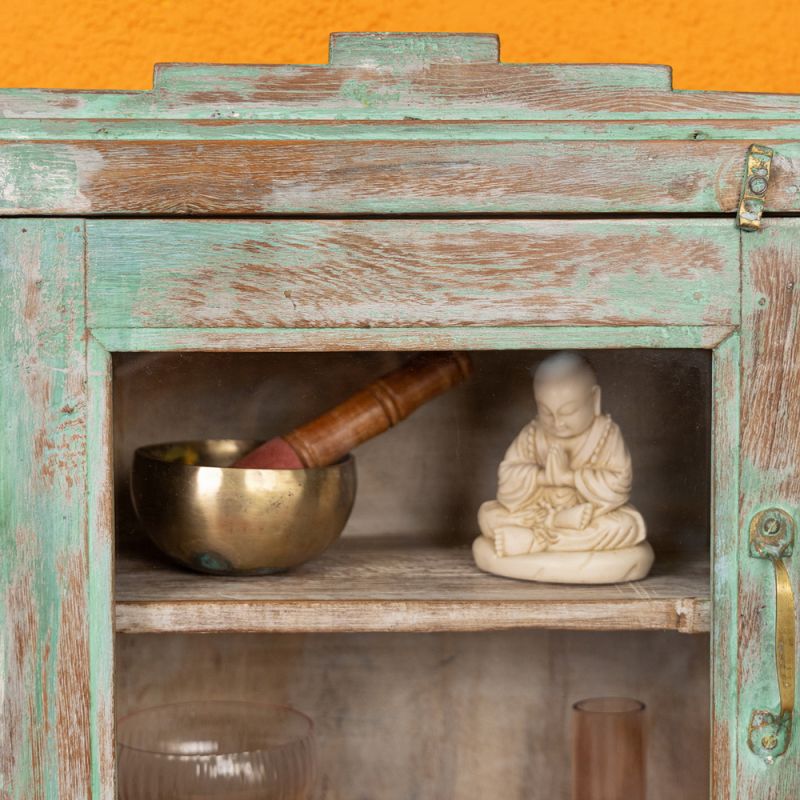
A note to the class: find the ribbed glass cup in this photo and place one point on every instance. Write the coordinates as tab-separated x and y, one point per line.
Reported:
218	749
608	749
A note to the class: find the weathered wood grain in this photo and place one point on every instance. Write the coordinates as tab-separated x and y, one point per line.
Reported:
552	337
386	584
510	91
45	751
414	125
363	274
234	177
724	579
444	716
425	91
770	450
100	542
60	129
412	50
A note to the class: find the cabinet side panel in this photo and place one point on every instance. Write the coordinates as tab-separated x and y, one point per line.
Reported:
44	690
770	447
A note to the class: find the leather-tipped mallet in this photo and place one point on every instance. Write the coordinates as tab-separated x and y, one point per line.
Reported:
367	413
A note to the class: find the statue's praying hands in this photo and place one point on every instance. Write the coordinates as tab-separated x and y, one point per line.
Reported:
565	481
557	471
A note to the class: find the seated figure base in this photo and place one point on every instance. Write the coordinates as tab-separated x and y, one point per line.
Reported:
592	566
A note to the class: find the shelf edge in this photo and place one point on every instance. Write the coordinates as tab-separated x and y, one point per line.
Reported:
684	615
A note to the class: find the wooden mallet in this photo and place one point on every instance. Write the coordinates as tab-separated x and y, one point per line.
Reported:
367	413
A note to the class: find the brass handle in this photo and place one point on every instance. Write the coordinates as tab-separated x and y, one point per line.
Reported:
784	636
772	537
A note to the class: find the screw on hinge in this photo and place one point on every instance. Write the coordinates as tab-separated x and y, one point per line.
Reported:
754	187
772	533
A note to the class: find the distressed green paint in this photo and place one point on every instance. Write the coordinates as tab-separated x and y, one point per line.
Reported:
472	338
390	76
181	80
769	478
28	177
369	96
125	129
352	274
239	177
243	101
44	608
100	541
412	50
724	570
56	577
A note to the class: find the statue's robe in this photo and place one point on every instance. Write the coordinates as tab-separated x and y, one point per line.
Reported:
529	512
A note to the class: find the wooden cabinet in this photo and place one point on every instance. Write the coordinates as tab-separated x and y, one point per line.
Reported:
166	257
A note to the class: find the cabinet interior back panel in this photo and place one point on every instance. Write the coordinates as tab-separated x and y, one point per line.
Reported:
444	716
427	476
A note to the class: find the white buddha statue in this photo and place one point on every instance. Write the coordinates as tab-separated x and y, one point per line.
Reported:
562	513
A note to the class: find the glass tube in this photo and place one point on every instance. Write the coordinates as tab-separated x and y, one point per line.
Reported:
608	751
215	750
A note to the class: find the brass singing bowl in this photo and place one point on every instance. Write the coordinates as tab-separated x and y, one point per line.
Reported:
227	521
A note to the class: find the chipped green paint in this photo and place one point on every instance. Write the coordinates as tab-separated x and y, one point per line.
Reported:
44	607
368	97
25	174
427	176
408	51
390	76
244	101
422	131
472	338
725	555
100	543
56	580
769	478
368	273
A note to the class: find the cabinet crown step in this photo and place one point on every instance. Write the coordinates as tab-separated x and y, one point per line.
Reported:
412	49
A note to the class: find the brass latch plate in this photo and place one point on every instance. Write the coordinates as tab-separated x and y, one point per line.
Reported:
758	167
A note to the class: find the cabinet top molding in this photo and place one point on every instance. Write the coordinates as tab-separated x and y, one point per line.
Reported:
401	76
426	123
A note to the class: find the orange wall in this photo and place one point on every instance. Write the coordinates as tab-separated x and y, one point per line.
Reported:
112	44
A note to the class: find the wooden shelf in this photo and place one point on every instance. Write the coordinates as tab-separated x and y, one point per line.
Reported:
397	584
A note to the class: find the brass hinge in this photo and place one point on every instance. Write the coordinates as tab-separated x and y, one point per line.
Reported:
754	187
